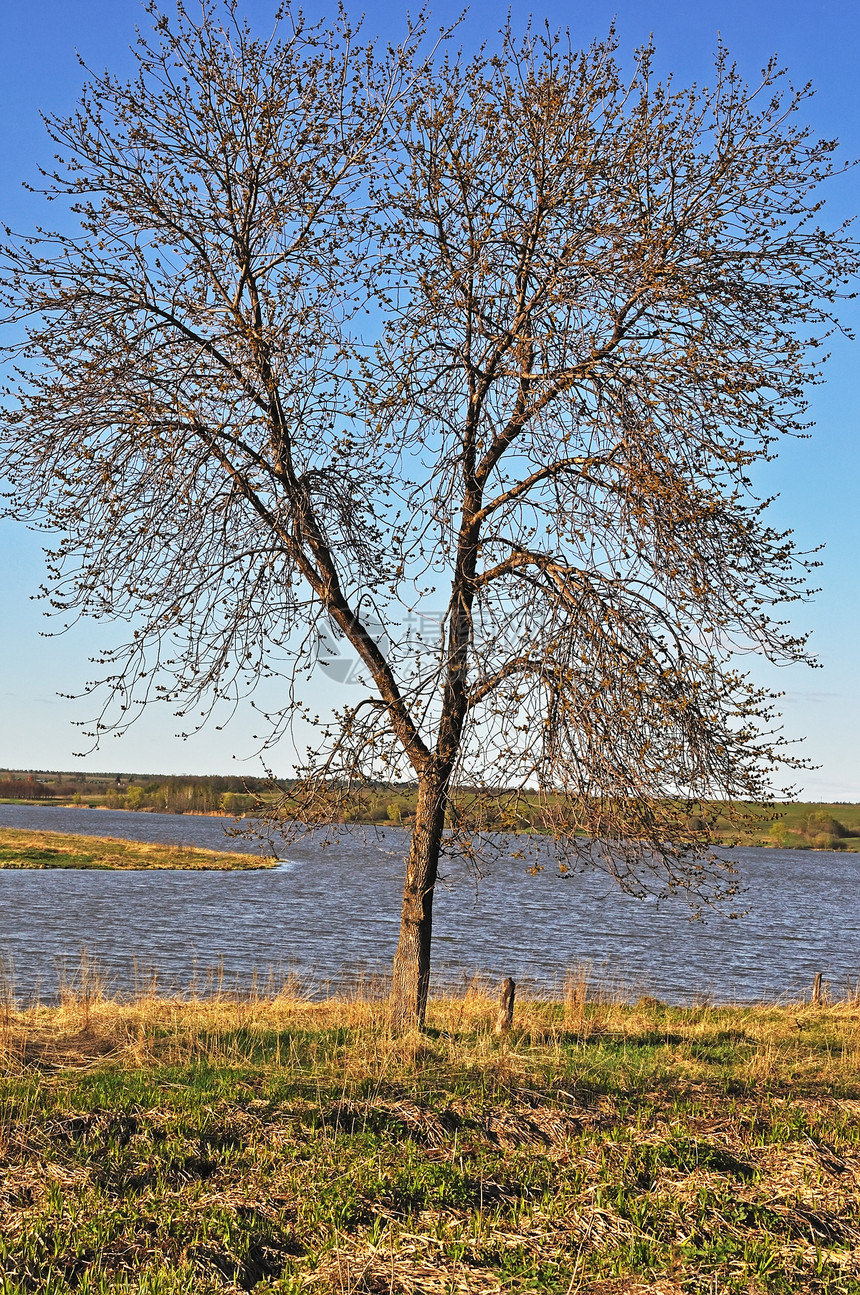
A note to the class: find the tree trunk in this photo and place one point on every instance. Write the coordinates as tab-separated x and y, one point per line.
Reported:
411	972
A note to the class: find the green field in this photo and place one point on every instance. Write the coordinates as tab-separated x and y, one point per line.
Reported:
802	826
279	1145
24	849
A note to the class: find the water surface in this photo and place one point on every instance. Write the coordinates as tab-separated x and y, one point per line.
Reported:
330	912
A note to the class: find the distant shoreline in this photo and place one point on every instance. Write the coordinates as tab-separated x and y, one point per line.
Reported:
815	826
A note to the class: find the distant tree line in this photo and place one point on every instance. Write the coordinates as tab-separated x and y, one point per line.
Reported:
171	794
184	795
33	789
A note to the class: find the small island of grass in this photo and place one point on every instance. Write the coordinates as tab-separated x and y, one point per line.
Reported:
28	849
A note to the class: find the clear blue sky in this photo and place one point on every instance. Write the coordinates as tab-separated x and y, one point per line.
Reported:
817	479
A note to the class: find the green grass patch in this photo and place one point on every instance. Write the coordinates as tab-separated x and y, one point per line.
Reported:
280	1145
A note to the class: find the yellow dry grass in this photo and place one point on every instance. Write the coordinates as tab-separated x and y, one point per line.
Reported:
32	849
755	1045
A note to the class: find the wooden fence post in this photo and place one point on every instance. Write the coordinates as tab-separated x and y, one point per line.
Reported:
505	1019
816	990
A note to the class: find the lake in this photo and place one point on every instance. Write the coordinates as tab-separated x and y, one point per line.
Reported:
329	914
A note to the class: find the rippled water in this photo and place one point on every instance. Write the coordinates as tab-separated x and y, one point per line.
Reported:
332	912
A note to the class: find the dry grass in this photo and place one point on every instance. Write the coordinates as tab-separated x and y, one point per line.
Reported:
277	1144
20	849
787	1044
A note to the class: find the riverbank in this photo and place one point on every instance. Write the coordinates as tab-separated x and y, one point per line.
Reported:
282	1145
34	849
799	825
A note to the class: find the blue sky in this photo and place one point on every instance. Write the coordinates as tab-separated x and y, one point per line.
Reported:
816	479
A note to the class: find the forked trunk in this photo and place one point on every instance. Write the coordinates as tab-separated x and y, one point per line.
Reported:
411	973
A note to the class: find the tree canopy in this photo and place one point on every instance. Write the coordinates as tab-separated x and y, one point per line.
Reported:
348	336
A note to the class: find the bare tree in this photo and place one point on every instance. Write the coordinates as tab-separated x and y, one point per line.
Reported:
348	337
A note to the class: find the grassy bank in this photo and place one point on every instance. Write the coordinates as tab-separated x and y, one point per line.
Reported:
19	849
281	1145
